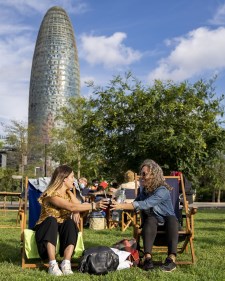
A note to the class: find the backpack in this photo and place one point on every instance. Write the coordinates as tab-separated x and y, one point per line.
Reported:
98	260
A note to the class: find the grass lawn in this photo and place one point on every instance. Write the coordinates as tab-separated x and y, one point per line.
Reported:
209	245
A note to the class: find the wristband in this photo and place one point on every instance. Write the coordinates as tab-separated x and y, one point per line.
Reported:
93	207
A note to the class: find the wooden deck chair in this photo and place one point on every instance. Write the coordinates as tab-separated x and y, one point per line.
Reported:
186	221
30	256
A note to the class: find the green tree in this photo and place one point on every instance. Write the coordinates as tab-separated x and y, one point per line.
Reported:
213	180
68	141
16	138
175	124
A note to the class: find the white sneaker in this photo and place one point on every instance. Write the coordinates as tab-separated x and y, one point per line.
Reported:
66	268
54	270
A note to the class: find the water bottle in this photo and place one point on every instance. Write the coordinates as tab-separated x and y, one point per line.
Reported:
122	196
116	214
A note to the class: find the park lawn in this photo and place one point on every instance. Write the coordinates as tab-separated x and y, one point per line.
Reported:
209	245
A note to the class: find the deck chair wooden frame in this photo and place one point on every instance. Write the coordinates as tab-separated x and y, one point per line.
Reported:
186	233
33	263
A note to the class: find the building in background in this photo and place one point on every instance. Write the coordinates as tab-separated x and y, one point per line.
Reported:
55	73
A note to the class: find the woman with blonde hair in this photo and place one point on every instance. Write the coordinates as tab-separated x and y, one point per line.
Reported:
58	203
156	208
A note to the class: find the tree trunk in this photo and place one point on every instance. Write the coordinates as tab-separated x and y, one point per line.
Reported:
78	166
218	195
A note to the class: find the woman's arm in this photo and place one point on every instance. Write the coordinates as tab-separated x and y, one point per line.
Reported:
76	206
159	195
121	206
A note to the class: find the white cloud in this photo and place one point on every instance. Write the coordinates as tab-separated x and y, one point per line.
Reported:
202	50
15	66
29	6
109	51
219	17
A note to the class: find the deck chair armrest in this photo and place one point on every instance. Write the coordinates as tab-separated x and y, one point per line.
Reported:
192	211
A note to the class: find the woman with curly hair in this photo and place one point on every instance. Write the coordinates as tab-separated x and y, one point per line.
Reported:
58	205
156	208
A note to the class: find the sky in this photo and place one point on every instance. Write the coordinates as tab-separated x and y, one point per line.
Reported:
179	40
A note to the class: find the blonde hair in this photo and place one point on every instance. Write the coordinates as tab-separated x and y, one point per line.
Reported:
129	176
157	173
83	179
56	181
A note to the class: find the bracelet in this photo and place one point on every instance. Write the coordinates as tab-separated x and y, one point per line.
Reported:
93	207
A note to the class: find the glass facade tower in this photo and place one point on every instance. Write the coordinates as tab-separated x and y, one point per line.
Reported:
55	73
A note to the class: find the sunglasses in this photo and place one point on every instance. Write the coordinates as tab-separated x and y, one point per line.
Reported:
144	174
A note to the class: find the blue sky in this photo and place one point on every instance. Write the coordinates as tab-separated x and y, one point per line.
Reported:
176	39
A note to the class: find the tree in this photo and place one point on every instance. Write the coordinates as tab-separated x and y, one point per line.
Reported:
175	124
16	138
214	176
68	141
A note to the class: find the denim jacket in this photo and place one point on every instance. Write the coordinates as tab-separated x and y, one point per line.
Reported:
159	201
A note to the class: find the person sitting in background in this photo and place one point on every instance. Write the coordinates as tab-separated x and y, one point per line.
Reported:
58	203
154	202
101	191
94	186
128	184
79	187
129	180
82	183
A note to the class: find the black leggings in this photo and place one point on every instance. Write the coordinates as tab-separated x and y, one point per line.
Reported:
149	232
48	231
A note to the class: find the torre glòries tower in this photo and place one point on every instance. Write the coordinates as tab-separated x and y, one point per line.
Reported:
55	74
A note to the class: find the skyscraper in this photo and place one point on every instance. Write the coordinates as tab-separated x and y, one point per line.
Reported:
55	74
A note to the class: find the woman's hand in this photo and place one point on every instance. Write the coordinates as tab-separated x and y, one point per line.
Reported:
76	218
115	205
121	206
102	204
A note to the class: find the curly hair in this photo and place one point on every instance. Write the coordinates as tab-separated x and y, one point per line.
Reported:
56	181
158	179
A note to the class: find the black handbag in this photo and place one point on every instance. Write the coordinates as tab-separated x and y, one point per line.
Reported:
98	260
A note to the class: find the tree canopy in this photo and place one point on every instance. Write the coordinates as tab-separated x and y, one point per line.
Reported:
177	125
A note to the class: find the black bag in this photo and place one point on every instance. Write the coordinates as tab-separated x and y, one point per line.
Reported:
98	260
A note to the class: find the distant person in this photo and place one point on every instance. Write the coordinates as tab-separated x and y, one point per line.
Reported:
157	211
94	186
58	203
80	186
129	183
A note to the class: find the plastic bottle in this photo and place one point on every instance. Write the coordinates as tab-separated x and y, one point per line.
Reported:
122	196
116	214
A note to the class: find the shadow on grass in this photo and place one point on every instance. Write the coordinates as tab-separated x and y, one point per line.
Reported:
215	221
209	241
10	252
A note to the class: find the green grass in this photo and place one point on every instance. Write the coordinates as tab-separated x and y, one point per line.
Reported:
209	245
